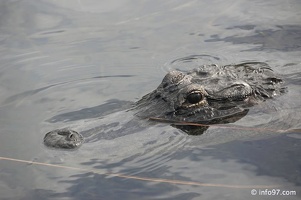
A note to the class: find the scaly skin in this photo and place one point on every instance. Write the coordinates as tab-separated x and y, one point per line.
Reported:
63	138
210	92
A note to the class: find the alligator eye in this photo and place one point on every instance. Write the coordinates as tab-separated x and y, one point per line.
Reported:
71	136
194	97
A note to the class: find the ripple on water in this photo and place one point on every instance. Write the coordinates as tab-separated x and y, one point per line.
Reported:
145	151
176	61
158	153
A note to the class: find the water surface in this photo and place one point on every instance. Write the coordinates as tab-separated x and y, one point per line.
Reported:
80	64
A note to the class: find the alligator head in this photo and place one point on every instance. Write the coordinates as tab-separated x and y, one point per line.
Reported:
211	93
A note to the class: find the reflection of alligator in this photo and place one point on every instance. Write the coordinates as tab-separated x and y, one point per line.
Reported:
209	94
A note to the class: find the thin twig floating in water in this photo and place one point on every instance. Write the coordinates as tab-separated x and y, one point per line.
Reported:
159	180
182	123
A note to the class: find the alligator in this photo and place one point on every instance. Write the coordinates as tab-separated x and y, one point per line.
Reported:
209	94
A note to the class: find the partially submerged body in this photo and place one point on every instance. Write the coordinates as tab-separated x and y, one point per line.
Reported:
209	94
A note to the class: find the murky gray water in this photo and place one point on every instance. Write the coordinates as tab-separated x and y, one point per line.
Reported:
79	64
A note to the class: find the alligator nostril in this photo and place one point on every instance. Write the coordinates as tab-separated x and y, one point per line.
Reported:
63	138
